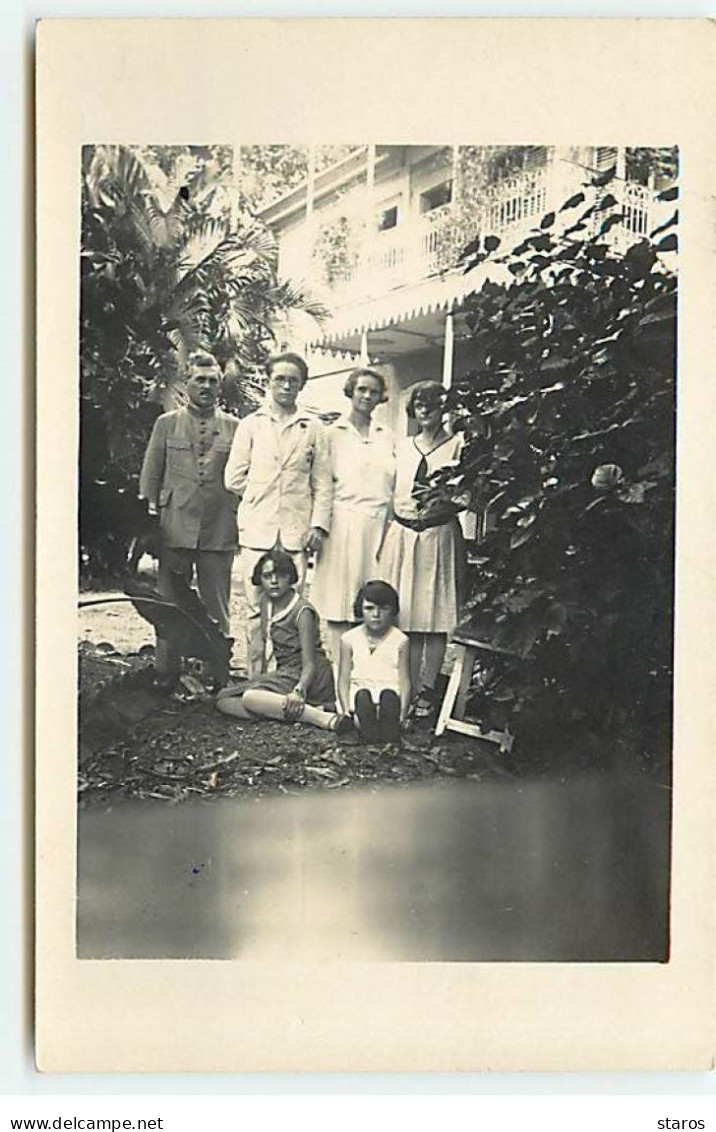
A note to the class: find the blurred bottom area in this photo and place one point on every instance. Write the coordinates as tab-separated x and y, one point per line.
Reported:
552	870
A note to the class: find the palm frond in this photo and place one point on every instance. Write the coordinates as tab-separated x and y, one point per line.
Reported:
114	174
234	326
247	308
148	228
294	295
260	240
187	317
178	216
203	243
130	172
165	188
156	221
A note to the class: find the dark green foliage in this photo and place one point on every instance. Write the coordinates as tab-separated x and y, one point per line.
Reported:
336	249
569	410
162	272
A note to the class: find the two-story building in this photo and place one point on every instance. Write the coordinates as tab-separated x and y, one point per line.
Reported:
377	236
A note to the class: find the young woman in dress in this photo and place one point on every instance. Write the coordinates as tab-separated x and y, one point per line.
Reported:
423	548
363	469
297	680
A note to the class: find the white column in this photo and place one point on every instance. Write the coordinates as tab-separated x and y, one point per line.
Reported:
621	163
559	177
364	358
368	235
370	172
455	174
308	237
448	350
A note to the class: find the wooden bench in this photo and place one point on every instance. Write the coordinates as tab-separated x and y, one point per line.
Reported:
452	712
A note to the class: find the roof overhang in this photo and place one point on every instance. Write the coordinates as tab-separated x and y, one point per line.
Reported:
334	178
405	319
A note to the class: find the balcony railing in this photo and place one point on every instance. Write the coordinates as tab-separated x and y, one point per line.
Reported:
640	210
516	203
404	254
429	244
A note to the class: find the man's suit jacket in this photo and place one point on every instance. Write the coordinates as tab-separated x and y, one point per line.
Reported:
183	478
281	470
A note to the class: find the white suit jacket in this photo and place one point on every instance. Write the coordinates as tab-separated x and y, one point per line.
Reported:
281	470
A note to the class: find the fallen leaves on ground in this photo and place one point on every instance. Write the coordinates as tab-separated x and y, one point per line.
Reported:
138	741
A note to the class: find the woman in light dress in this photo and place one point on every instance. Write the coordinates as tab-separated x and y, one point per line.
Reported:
423	552
363	468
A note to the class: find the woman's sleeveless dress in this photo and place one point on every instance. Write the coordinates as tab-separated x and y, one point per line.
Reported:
282	655
422	565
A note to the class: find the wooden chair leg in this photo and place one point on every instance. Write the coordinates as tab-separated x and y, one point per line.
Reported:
468	664
454	705
451	691
506	739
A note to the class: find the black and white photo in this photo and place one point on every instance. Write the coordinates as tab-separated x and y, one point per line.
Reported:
376	541
373	555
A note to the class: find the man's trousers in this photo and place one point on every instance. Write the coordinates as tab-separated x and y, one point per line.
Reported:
213	578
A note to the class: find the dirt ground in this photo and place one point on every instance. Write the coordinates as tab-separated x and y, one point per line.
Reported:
118	624
137	741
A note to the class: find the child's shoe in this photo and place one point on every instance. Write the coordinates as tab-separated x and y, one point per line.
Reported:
343	725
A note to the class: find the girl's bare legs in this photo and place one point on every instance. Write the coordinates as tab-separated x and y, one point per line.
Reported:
416	642
270	705
232	705
426	652
435	646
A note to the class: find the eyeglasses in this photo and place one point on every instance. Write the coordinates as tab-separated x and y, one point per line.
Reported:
289	382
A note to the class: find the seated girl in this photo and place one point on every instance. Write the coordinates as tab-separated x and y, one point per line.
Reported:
373	666
296	678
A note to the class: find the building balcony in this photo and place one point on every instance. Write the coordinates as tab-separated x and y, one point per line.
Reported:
412	251
373	263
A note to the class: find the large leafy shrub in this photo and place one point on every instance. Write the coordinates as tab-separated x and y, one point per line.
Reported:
569	410
162	272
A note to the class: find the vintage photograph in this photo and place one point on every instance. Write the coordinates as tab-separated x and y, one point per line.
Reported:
376	552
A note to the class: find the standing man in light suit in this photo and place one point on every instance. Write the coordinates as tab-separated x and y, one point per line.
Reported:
279	465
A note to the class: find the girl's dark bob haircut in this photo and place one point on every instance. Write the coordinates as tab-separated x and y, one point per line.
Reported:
379	593
293	359
283	564
427	392
365	371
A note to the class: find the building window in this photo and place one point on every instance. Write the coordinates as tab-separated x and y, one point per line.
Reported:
387	218
605	156
436	197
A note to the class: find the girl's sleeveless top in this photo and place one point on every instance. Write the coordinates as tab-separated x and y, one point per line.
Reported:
285	639
378	669
282	658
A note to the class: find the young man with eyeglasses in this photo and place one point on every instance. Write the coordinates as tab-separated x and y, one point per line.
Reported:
279	465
